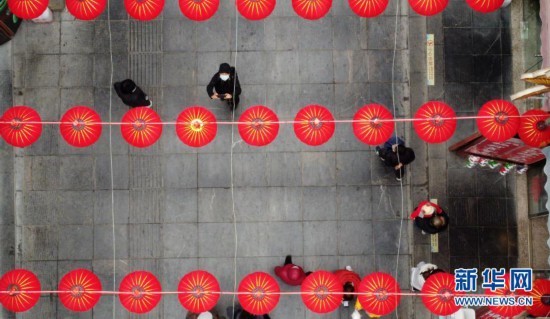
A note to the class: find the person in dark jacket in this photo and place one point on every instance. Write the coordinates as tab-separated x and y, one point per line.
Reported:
433	224
225	86
239	313
397	155
131	94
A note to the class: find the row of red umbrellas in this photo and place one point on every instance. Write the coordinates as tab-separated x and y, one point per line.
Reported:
258	293
373	124
201	10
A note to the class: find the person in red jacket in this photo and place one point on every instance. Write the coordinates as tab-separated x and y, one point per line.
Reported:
290	273
426	209
350	281
430	218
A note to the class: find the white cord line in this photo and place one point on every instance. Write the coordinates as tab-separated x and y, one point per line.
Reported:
231	162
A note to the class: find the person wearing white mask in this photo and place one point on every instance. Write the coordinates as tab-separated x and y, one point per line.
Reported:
225	86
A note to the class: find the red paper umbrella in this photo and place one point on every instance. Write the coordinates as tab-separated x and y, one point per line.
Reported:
541	298
436	122
314	125
256	9
262	293
15	129
321	292
28	9
505	310
196	126
440	291
501	120
139	286
144	10
258	125
533	129
16	282
86	9
368	8
485	6
369	128
80	285
202	291
80	126
381	298
311	9
141	127
199	10
428	7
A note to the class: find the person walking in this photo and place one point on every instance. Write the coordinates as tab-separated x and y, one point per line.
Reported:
290	273
350	281
131	94
430	218
394	153
225	86
421	273
237	312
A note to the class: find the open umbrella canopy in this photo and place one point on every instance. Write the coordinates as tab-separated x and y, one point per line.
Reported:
21	126
379	293
506	310
258	125
541	298
200	291
321	292
80	126
435	122
428	7
256	9
440	291
28	9
498	120
312	9
141	127
136	290
261	293
78	285
16	282
196	126
485	6
368	8
314	125
372	124
144	10
199	10
533	129
86	9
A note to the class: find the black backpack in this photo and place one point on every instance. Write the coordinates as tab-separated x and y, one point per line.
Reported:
9	23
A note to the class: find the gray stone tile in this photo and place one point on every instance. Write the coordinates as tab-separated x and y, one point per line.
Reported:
314	263
267	204
39	243
318	169
146	206
353	168
261	239
180	205
180	171
47	144
46	271
212	205
250	65
315	35
103	172
349	33
381	33
41	38
119	33
282	67
280	33
77	37
355	238
76	70
361	264
216	240
223	268
184	74
45	173
349	99
319	203
282	99
388	263
215	34
316	67
173	270
322	94
181	35
249	169
45	101
386	202
146	241
146	172
284	169
251	35
180	240
40	208
76	208
76	243
350	66
102	207
354	203
75	173
76	96
380	61
386	234
8	239
102	71
316	241
253	94
45	71
214	170
174	101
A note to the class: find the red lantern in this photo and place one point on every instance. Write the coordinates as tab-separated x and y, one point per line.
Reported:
139	292
368	8
28	9
505	310
311	9
435	122
80	126
16	282
81	290
21	126
541	298
533	129
261	293
373	124
439	290
485	6
86	9
196	126
498	120
314	125
258	125
321	292
256	9
199	10
428	7
201	291
381	296
144	10
141	127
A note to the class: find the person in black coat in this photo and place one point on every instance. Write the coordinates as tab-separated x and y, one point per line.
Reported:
131	94
397	157
434	224
239	313
225	86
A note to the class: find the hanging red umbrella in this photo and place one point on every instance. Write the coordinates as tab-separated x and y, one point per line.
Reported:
435	122
440	291
86	9
258	125
314	125
137	292
28	9
485	6
79	126
381	293
262	293
199	10
428	7
541	298
16	282
533	129
501	120
311	9
368	8
256	9
202	291
144	10
196	126
372	124
506	310
141	127
321	292
81	286
21	126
